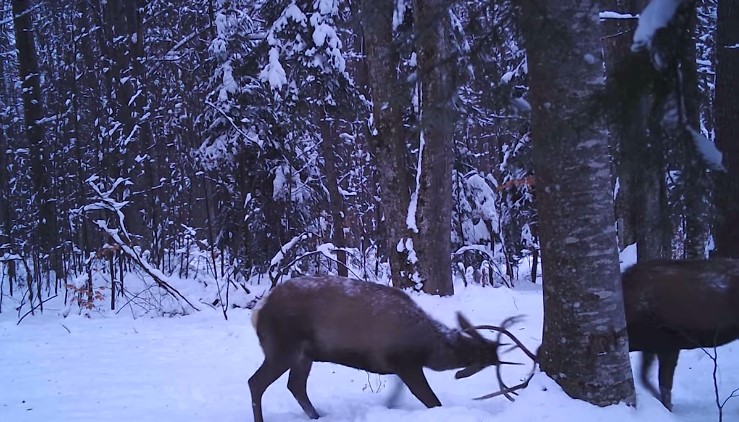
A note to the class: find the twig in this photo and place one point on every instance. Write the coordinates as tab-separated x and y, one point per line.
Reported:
713	355
41	302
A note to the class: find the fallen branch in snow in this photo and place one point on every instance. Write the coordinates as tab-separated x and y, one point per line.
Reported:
327	250
121	236
152	272
33	308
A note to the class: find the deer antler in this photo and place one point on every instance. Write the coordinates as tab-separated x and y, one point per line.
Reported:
503	329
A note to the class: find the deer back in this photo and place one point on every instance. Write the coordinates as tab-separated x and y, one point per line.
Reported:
359	324
696	300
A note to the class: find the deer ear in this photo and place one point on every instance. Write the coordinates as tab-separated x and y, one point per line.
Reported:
465	326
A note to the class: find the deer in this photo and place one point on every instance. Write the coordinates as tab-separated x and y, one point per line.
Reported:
674	305
367	326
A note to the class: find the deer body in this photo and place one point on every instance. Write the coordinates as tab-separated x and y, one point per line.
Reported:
358	324
675	305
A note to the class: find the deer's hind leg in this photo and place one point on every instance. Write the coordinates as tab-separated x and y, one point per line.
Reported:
297	383
268	373
647	361
667	365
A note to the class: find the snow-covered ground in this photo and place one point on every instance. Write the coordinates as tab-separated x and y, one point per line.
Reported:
195	368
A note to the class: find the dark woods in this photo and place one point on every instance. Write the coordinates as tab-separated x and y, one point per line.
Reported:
200	138
208	138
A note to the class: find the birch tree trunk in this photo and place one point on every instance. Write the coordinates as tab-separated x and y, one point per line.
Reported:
584	344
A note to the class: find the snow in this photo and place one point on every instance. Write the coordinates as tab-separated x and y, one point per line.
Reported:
287	183
707	149
410	218
656	15
111	367
399	13
616	15
327	7
325	37
277	259
273	72
484	198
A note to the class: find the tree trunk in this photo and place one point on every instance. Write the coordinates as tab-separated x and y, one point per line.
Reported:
335	205
436	70
584	344
28	72
628	131
389	139
642	195
727	128
696	173
6	214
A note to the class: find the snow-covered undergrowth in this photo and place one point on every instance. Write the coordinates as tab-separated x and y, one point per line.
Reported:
112	367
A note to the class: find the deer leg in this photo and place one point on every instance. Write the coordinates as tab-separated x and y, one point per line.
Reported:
647	360
268	373
667	364
297	383
416	381
395	393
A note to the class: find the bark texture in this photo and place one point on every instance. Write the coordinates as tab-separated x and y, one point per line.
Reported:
727	128
639	156
697	227
45	229
584	345
436	70
336	201
388	141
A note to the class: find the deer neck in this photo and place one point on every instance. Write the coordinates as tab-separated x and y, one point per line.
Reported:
452	351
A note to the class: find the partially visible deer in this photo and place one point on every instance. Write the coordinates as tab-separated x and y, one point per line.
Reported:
675	305
362	325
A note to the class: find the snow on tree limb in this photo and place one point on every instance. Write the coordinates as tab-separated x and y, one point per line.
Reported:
655	16
327	250
616	15
159	277
104	201
707	149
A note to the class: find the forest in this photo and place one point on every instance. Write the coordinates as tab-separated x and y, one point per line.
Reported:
164	157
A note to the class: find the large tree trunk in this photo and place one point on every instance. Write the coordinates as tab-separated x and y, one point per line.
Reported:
389	140
630	125
436	69
45	229
642	195
727	128
584	344
697	186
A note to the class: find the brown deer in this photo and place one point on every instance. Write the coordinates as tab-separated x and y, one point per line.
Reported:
362	325
675	305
